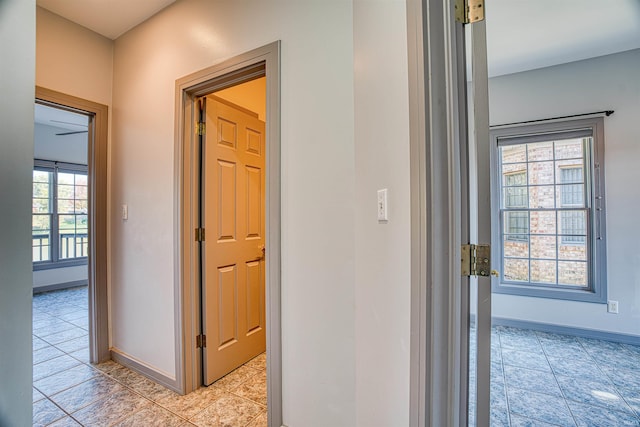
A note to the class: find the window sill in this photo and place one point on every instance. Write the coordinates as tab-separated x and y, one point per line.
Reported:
580	295
48	265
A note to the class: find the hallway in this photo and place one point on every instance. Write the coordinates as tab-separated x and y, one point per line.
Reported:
68	391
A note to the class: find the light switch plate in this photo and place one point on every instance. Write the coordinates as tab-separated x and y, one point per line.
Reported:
382	205
125	212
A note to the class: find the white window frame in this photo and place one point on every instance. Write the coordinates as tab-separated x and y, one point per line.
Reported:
593	170
54	260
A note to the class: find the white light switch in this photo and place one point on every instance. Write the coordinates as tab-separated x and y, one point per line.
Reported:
125	212
382	205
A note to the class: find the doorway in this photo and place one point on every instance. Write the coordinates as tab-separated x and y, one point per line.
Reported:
557	343
259	63
92	222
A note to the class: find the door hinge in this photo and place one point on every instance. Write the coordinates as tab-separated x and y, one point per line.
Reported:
199	234
201	341
200	128
475	260
469	11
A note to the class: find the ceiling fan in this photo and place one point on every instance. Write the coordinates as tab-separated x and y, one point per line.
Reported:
71	132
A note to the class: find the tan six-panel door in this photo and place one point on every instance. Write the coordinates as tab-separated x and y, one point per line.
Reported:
233	217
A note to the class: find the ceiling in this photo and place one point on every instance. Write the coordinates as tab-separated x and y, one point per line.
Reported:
61	119
521	34
111	18
524	35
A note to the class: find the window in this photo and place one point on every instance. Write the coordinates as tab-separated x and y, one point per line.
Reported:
59	214
548	214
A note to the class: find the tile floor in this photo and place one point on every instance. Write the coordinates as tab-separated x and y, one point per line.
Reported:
68	391
537	379
541	379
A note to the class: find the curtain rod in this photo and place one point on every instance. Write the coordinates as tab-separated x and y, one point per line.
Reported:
605	112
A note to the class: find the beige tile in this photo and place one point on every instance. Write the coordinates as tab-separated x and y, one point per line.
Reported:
45	412
237	377
83	394
190	404
255	388
151	390
124	375
259	421
153	416
228	411
108	411
258	362
107	366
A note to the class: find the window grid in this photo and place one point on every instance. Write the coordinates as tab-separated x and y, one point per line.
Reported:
511	205
42	209
60	201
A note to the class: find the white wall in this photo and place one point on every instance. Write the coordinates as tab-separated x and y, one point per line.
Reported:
382	249
55	276
317	186
17	78
72	59
604	83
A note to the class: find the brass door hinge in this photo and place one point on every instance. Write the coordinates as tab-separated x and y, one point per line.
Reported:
201	341
200	128
475	260
469	11
199	234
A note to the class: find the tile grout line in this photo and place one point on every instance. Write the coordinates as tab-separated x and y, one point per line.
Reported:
555	377
49	318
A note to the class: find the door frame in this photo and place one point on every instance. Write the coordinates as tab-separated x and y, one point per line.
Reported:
97	171
439	188
261	61
482	214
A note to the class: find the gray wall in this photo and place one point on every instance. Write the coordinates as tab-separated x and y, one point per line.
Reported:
605	83
17	85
